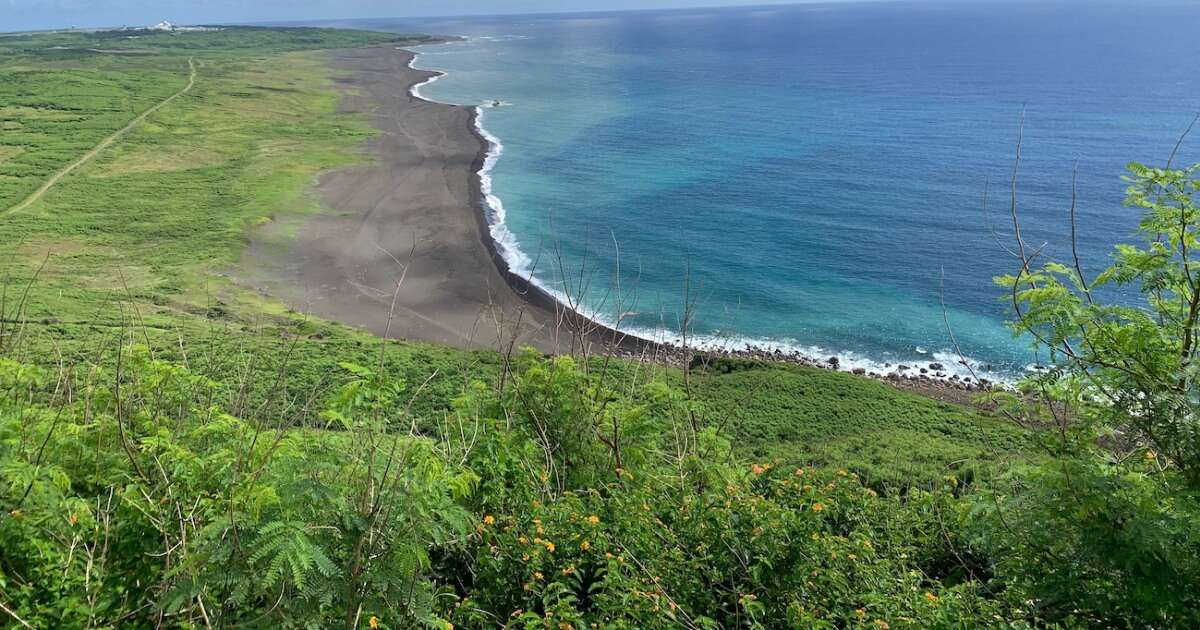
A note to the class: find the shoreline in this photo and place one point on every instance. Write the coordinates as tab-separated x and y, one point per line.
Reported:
523	286
923	375
421	191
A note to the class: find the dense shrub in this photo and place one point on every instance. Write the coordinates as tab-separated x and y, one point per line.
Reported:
133	498
1104	531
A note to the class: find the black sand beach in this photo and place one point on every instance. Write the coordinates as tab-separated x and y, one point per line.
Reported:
402	247
409	214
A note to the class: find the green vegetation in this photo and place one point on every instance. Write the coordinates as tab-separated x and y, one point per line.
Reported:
824	418
141	497
1107	526
178	451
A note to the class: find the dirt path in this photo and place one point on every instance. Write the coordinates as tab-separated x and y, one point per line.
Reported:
105	143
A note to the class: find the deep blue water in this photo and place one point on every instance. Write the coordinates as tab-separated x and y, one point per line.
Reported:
813	169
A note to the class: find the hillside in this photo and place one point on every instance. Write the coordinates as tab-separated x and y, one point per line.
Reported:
182	451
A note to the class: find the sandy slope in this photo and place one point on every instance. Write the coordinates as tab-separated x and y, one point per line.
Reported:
411	212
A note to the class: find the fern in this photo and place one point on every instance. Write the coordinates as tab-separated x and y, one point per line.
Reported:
286	550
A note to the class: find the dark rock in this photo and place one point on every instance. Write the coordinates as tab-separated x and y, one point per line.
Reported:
834	361
936	366
860	371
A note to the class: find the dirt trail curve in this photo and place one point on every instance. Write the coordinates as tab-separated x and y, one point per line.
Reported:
105	143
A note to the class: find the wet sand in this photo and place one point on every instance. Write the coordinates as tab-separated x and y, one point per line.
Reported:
411	211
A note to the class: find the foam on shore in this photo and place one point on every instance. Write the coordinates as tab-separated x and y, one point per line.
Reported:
415	90
949	364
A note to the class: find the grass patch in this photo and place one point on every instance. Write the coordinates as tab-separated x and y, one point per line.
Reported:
8	153
812	416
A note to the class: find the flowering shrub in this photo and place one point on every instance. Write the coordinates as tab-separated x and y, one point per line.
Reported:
755	545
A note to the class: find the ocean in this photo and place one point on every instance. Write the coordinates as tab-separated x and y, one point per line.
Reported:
830	179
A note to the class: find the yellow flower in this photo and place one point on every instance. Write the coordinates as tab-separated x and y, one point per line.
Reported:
757	470
872	492
799	472
817	507
860	613
489	519
593	519
523	540
585	545
538	575
549	546
1151	455
373	622
930	596
851	556
73	518
569	570
883	625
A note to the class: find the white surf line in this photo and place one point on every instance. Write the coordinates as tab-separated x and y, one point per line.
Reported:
520	264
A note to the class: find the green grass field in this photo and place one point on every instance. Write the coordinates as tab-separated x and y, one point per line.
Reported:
140	240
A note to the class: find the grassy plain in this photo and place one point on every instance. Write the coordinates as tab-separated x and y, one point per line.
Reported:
140	240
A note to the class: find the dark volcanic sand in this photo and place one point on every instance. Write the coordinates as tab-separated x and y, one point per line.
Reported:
413	210
414	203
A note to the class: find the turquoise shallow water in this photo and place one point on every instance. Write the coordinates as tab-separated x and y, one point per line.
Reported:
807	174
